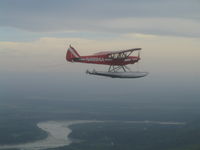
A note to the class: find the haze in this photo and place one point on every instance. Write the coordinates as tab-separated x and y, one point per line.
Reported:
36	34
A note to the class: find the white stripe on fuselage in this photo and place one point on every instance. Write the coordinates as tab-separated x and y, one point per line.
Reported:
96	59
100	59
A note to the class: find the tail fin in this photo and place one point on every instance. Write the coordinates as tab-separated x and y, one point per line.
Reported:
71	54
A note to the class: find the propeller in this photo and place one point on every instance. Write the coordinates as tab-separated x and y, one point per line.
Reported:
139	54
138	65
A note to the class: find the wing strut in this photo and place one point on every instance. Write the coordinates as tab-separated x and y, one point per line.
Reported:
114	68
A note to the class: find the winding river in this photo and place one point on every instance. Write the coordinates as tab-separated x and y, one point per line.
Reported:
58	134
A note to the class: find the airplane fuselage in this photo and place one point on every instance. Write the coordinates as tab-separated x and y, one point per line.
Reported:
105	60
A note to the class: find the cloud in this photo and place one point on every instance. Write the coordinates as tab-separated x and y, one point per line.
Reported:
48	54
142	36
159	26
174	17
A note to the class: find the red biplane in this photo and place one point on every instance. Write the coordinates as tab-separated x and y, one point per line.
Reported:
117	61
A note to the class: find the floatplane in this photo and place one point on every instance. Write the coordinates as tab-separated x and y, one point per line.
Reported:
116	60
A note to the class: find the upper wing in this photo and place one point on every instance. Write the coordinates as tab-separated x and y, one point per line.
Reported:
124	51
122	54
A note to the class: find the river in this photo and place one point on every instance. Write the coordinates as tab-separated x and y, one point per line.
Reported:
58	134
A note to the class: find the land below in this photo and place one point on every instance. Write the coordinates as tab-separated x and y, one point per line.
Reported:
112	125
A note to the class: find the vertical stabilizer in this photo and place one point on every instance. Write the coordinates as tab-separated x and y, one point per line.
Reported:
71	54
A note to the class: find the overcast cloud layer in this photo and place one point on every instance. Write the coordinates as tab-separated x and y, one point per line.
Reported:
173	17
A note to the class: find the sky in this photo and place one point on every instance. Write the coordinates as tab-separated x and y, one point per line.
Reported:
35	35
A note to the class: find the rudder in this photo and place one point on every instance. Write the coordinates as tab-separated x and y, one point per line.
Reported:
71	54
